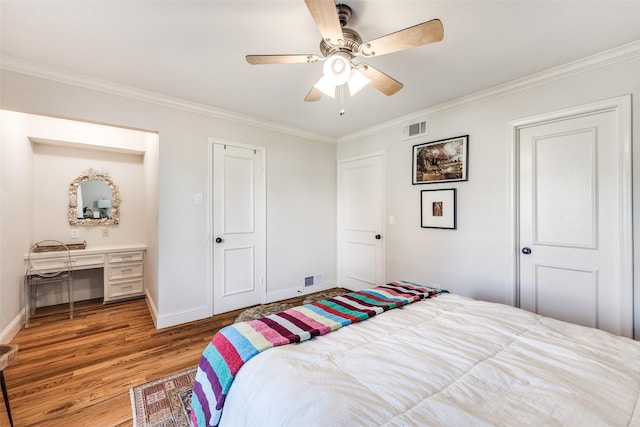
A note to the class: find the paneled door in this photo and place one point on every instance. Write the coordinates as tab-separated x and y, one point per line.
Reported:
238	227
574	218
360	222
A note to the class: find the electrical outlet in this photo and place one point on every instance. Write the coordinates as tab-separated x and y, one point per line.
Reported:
75	233
105	232
199	199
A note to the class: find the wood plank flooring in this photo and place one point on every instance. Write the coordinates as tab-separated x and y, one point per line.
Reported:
78	372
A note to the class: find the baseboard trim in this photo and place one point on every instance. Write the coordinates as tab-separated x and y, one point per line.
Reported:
180	317
177	317
12	329
152	308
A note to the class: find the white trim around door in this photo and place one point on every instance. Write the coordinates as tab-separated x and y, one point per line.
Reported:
621	107
260	218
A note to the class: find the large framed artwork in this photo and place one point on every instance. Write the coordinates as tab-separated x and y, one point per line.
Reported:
438	208
445	160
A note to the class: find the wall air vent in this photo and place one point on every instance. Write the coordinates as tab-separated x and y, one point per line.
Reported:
415	129
313	280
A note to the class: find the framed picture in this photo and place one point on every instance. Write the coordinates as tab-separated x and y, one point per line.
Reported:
438	208
445	160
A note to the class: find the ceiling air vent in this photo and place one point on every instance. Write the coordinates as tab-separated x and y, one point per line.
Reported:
414	130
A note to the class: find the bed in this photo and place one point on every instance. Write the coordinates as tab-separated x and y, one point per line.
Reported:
443	361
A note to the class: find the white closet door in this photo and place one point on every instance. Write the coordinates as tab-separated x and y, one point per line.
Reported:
574	251
238	224
361	219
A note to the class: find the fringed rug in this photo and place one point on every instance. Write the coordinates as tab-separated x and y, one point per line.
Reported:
165	402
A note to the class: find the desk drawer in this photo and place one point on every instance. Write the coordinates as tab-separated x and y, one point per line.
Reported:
125	257
123	289
124	271
78	262
87	261
48	265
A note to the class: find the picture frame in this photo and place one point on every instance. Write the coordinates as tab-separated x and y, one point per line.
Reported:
438	209
445	160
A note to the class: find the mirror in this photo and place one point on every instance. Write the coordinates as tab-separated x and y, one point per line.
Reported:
94	199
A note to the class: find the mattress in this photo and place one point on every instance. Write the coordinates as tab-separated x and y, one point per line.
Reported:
444	361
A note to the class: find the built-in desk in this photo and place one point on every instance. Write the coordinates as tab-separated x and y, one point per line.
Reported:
123	267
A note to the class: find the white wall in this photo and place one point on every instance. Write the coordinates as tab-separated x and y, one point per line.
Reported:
16	181
152	148
302	179
477	259
56	167
300	206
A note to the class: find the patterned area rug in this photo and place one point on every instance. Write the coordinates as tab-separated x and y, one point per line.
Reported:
275	307
164	402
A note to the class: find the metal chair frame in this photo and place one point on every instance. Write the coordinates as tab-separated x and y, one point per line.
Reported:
33	278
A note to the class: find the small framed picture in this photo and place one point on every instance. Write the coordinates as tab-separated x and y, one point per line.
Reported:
438	208
445	160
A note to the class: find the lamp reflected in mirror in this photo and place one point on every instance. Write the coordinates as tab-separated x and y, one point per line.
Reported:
104	205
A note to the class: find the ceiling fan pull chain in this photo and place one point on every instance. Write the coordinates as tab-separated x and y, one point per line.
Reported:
341	87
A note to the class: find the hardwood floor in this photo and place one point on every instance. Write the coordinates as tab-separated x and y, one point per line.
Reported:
78	372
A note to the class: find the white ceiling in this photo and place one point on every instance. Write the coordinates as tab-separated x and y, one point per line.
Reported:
195	50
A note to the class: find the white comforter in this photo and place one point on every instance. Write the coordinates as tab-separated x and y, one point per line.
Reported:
445	361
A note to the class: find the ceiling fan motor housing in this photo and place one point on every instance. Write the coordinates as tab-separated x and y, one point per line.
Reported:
352	42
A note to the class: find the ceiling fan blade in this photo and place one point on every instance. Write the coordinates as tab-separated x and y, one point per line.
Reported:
326	17
381	81
418	35
282	59
314	95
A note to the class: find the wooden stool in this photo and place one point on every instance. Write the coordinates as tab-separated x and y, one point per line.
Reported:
8	353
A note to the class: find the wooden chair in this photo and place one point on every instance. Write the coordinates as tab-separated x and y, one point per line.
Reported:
8	353
58	271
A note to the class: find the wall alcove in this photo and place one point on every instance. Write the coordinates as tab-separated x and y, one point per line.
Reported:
67	156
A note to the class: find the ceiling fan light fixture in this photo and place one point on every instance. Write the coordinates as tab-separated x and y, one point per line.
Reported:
326	86
341	44
357	81
337	68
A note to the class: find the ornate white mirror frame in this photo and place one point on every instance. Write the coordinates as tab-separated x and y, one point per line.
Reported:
93	175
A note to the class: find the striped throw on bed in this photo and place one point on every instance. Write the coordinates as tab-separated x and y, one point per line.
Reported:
234	345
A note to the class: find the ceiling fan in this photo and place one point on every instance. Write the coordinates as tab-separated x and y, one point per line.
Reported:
340	45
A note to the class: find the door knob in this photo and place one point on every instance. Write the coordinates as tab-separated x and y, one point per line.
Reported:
218	239
526	250
378	237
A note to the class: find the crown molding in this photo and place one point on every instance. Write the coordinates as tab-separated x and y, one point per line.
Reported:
602	59
50	73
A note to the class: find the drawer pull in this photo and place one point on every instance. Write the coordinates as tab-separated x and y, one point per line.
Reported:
126	270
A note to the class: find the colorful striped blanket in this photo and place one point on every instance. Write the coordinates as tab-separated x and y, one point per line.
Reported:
234	345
